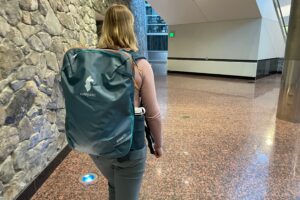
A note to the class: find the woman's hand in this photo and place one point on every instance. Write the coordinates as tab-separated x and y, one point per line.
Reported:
158	151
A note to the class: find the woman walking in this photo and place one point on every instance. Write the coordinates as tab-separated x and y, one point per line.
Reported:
125	174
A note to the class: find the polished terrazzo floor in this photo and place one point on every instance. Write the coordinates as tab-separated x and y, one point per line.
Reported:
222	141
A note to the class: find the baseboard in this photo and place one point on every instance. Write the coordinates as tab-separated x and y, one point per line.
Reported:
265	75
43	176
213	75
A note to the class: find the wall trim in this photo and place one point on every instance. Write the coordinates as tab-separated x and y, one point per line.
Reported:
33	187
212	75
213	59
220	59
271	73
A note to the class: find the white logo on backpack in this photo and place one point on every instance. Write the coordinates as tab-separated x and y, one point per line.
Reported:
88	83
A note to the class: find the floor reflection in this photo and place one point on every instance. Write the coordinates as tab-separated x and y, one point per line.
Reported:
222	141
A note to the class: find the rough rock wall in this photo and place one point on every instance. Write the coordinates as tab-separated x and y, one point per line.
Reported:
100	6
34	35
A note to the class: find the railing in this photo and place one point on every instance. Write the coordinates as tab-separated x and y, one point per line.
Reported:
282	8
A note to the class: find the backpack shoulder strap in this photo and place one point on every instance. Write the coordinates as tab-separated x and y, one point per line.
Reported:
137	56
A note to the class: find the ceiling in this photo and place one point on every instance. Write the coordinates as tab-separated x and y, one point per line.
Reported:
196	11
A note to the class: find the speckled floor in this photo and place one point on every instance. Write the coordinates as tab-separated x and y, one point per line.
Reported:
222	141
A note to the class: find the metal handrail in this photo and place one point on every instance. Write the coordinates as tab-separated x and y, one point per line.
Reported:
280	18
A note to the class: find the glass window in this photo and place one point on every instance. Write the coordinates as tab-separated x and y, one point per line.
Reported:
157	42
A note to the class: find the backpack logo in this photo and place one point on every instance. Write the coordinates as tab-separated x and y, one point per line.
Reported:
88	83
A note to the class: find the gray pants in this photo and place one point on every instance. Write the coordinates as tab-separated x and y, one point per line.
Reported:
124	176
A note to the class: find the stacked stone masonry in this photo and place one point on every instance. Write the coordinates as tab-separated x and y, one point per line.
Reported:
34	35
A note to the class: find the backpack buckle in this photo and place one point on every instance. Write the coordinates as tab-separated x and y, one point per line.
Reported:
139	110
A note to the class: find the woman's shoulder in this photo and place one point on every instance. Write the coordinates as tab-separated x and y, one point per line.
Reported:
141	60
143	64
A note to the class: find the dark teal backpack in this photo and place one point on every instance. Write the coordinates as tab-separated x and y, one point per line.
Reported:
98	86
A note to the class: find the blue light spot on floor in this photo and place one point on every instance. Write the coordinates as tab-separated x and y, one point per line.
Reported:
88	178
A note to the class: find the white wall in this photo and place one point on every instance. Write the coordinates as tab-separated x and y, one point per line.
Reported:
266	9
272	44
213	67
237	40
248	39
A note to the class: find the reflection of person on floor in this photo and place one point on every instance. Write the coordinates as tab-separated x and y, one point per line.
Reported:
125	175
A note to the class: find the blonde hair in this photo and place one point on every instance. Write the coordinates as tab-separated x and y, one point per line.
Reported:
118	29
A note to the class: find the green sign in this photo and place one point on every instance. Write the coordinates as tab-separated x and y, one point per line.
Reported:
172	34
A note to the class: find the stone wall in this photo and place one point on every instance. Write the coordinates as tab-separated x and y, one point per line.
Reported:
138	9
34	35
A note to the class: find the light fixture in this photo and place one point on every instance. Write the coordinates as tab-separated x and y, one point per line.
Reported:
88	179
